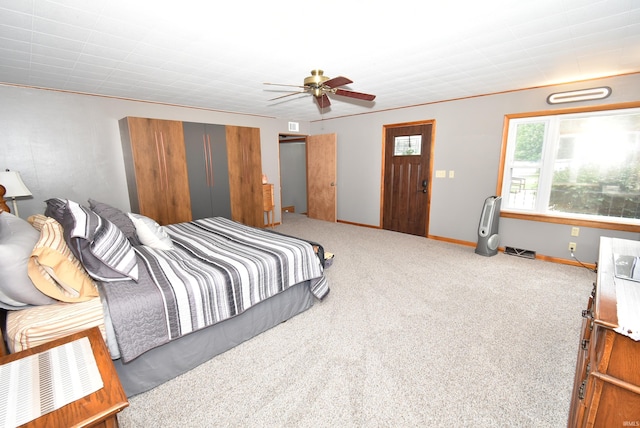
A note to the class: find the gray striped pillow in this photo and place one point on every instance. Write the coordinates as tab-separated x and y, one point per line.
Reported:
102	248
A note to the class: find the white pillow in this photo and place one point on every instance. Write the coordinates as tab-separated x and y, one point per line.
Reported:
151	233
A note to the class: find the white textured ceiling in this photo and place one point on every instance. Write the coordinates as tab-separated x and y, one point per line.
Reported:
217	55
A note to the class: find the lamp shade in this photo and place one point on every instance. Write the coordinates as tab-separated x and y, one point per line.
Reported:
14	185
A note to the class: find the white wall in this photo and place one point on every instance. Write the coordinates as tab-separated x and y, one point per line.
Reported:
68	145
468	140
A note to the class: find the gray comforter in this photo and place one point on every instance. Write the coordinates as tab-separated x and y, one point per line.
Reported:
217	269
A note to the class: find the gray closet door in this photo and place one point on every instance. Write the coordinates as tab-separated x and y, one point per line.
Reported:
208	170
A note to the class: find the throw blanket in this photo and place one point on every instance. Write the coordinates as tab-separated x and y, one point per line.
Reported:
217	269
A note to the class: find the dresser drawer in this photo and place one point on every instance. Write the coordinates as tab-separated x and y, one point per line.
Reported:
267	196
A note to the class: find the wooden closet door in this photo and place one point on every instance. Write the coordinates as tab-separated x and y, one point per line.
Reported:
176	184
156	169
245	175
206	151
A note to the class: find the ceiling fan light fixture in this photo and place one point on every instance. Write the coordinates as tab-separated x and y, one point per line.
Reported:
320	85
581	95
316	79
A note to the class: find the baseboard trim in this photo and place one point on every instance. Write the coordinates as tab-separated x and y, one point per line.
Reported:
452	241
358	224
566	261
501	249
473	244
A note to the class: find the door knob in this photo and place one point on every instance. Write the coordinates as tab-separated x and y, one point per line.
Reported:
333	184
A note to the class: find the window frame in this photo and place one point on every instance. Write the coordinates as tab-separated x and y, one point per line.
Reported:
617	224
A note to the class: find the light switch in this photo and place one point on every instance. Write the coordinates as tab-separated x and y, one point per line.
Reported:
441	173
575	231
451	174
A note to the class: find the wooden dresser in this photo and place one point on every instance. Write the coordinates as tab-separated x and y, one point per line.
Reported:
268	203
606	390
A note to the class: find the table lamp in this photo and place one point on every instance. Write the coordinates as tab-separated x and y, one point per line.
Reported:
15	187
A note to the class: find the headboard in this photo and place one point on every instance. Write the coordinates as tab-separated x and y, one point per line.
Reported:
3	203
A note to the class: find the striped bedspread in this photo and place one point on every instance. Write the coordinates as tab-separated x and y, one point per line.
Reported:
217	269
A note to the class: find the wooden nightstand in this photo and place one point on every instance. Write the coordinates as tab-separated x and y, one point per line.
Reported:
98	409
269	204
3	348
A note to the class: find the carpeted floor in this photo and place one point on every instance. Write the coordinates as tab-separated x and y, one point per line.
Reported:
415	332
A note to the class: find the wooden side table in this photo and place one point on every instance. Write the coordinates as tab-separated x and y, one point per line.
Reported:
98	409
269	203
3	348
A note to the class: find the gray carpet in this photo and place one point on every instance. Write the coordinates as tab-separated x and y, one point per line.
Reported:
415	332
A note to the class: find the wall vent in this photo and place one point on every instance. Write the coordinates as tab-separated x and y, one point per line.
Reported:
527	254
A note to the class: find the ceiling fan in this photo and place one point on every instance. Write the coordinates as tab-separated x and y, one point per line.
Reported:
320	85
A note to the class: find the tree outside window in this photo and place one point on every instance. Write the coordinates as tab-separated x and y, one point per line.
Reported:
579	165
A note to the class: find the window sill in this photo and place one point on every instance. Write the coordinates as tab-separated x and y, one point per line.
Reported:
596	224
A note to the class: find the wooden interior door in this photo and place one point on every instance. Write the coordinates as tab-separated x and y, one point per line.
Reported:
407	180
321	177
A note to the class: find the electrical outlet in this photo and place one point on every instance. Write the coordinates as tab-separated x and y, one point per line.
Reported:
575	231
572	246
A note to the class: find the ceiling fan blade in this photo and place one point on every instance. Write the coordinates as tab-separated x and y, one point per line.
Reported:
288	95
283	84
322	100
337	81
353	94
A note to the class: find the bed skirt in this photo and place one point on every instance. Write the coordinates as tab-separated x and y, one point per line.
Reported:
161	364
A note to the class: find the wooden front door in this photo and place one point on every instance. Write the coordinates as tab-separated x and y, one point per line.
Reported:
407	178
321	177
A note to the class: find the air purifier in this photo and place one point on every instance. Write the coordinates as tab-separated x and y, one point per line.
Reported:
488	238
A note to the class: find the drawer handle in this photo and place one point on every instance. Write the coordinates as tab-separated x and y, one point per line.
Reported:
581	390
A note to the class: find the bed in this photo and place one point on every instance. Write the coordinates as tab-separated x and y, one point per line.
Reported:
166	298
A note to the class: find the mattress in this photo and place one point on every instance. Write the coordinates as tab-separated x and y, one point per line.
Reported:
34	326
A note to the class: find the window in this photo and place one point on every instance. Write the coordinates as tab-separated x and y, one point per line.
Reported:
407	145
581	165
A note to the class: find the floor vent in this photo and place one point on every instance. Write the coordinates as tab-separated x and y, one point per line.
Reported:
527	254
